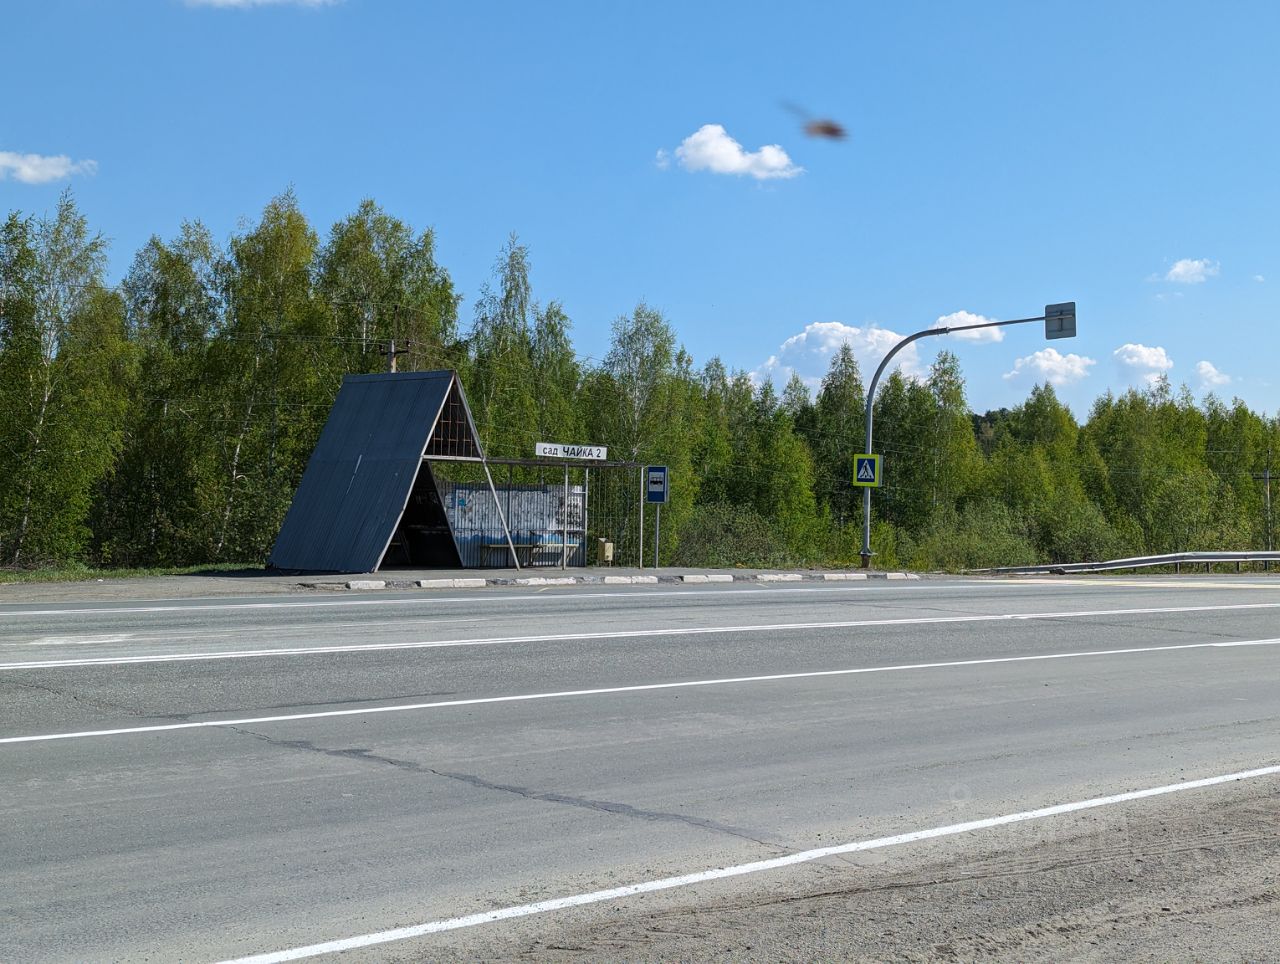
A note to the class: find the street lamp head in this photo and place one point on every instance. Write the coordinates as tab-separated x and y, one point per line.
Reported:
1060	320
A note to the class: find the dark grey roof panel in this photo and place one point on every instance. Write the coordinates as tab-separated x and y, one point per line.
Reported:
360	475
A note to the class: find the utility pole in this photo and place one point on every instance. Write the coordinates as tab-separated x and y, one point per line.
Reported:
392	352
1265	477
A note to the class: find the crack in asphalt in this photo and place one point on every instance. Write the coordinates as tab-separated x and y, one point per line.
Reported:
428	695
84	700
364	755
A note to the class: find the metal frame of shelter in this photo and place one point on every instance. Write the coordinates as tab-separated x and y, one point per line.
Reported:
366	465
399	478
557	510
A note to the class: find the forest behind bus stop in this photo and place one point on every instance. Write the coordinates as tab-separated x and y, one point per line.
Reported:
166	420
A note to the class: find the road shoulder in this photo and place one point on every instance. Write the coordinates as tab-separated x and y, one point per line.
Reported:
1191	878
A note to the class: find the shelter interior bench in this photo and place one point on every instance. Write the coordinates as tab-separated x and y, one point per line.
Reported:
533	553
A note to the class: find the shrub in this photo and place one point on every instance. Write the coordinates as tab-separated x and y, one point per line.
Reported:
724	535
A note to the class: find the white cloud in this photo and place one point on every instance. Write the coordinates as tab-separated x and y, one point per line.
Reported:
1140	356
1210	377
809	353
662	159
969	318
1150	363
260	3
1259	278
40	169
1192	271
710	148
1054	367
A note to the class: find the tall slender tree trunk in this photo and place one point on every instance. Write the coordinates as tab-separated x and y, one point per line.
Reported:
29	490
235	458
231	485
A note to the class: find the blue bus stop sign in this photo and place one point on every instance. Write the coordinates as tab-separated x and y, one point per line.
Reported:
655	484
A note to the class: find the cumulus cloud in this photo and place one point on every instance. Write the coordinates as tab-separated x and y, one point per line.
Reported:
1259	278
1210	377
1192	271
1053	367
710	148
662	159
809	353
1150	363
969	318
40	168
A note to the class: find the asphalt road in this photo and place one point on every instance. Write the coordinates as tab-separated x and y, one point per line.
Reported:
209	779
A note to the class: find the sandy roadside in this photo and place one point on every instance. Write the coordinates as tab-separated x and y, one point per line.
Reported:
1176	879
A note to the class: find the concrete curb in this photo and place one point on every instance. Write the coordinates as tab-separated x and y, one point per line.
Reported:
595	579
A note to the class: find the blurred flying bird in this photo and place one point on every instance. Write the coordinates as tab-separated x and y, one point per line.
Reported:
817	126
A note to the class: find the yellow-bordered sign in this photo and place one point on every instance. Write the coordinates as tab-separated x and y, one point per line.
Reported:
866	470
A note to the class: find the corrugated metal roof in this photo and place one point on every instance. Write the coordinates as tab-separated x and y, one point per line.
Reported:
361	473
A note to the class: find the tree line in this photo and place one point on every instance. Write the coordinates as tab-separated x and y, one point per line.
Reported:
167	420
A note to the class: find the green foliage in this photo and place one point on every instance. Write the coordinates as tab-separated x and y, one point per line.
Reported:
982	534
65	371
721	534
833	431
382	284
167	422
500	379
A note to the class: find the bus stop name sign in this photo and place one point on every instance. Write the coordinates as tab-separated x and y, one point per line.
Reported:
557	450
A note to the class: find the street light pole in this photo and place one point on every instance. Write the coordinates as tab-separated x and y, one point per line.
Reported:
1060	322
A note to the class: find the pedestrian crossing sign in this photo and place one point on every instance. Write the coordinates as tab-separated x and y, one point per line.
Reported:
866	470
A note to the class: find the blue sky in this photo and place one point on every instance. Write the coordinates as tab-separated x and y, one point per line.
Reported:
1000	156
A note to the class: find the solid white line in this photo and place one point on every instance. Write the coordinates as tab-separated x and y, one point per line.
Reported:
621	634
169	636
738	870
84	640
600	691
425	596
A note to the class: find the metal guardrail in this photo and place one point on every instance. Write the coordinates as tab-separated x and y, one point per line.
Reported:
1175	559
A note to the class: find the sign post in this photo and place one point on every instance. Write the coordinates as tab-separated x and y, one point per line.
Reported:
655	491
1059	322
590	453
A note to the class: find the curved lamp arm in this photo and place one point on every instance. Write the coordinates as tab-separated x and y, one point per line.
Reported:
871	396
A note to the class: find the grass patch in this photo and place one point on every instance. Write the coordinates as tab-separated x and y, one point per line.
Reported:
83	573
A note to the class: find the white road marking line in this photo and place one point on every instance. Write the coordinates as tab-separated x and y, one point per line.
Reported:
739	870
81	640
1150	582
426	597
409	622
601	691
622	634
